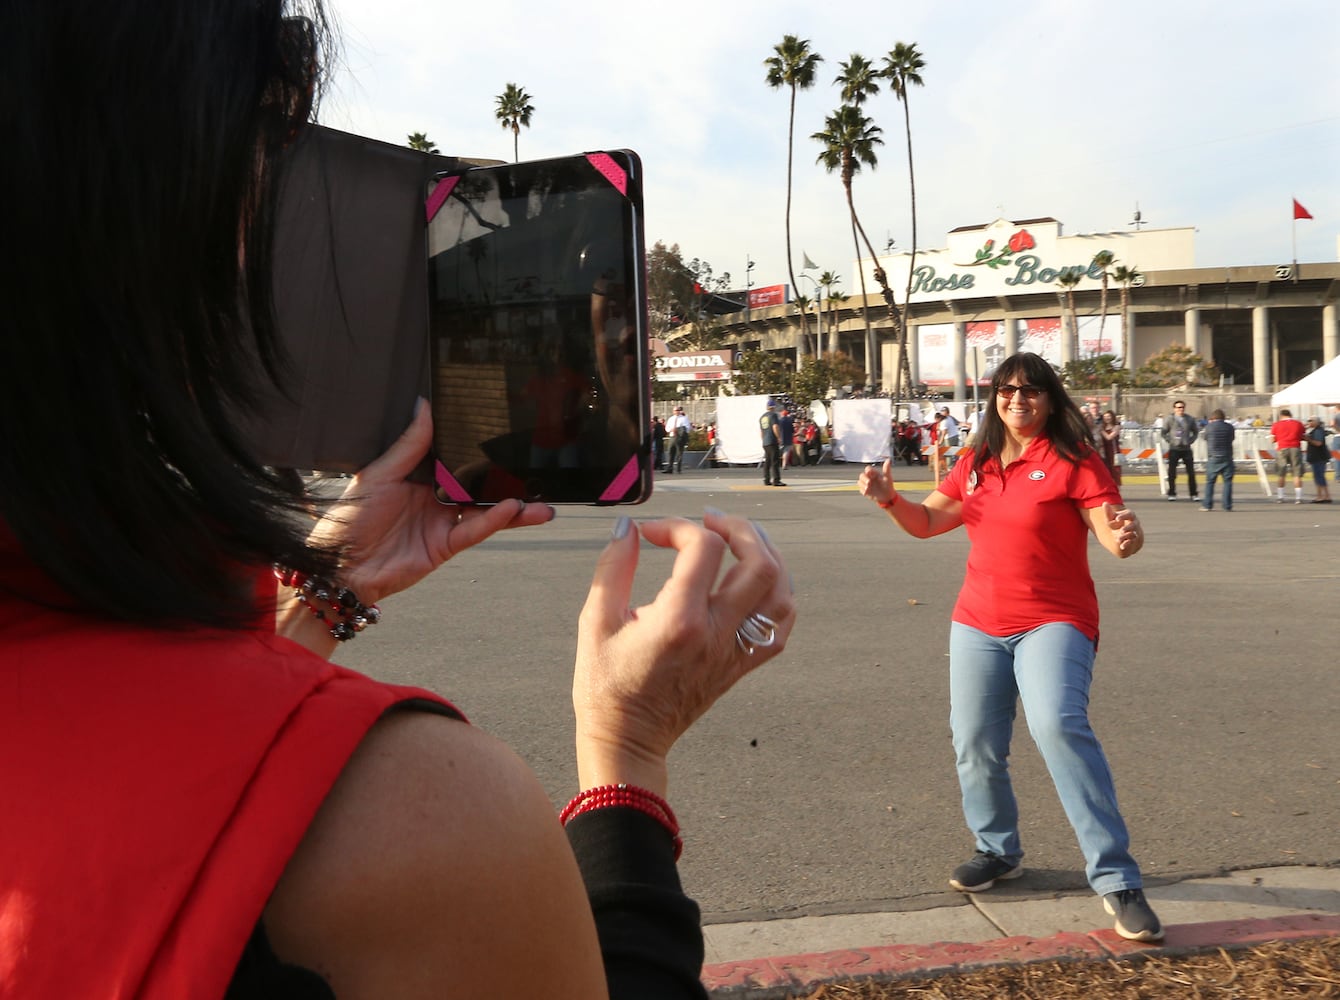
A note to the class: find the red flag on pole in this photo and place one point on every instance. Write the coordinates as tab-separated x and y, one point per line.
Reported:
1299	212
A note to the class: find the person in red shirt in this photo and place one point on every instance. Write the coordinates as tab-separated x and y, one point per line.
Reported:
1288	434
1025	626
194	802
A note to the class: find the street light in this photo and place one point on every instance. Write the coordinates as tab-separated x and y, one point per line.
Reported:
748	284
818	312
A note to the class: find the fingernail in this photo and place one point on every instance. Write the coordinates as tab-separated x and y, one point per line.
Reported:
621	526
714	512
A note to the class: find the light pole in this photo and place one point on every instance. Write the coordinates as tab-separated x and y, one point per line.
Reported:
818	318
748	284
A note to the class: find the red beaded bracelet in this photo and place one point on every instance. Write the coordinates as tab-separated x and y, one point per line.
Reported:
628	796
890	503
346	614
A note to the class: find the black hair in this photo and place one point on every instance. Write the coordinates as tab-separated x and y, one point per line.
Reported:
1066	427
142	144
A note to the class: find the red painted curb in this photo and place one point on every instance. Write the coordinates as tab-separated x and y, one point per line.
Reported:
765	978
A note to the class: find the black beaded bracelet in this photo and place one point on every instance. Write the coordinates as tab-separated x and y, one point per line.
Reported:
346	614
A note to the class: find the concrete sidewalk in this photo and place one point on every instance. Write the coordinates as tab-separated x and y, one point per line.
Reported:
1008	925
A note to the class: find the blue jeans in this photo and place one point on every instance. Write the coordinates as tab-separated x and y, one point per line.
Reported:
1214	469
1049	669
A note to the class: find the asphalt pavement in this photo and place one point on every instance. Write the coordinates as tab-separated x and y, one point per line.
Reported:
818	799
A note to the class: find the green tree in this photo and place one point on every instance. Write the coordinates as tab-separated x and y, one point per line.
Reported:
421	142
1098	372
849	139
677	292
1125	277
758	372
513	109
1103	260
821	375
670	292
902	68
1175	365
793	66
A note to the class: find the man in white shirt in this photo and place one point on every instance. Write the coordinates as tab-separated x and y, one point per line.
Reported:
949	436
677	435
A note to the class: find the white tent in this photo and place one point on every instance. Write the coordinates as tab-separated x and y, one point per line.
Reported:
1321	388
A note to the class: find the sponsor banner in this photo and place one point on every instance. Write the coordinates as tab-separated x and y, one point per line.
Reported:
1041	335
694	366
769	295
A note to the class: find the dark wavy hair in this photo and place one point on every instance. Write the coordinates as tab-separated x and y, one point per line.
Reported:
142	147
1066	426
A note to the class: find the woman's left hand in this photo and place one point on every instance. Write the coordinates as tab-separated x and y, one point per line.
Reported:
645	674
395	532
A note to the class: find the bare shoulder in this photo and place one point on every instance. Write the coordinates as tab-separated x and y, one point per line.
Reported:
436	865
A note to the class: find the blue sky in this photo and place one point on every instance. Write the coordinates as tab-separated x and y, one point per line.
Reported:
1206	114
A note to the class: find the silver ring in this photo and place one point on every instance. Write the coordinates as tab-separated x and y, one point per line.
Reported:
758	630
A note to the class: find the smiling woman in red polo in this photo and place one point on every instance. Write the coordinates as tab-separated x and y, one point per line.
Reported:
1025	627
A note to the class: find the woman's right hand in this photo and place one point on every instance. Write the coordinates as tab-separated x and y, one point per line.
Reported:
876	482
644	675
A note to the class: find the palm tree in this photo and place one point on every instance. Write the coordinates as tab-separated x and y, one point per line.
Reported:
1068	280
902	68
1103	259
858	80
1125	277
514	110
826	281
421	142
849	140
835	302
793	66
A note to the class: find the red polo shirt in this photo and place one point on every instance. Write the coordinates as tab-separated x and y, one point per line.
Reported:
1029	561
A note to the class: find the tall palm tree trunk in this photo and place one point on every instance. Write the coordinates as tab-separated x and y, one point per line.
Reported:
865	304
903	384
882	278
1102	310
790	264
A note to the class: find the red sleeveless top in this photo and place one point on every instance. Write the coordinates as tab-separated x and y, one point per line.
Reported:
153	786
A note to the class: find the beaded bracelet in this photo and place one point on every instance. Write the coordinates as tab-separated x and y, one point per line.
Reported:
890	503
346	613
631	797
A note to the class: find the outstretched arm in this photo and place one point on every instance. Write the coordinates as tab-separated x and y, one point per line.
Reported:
933	516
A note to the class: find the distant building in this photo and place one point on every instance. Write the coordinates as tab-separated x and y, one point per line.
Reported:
994	290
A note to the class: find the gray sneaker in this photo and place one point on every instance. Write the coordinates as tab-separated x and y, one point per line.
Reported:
981	872
1136	921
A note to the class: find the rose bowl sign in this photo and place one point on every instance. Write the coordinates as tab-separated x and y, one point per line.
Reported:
694	366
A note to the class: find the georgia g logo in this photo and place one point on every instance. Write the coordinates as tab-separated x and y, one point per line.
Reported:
1037	475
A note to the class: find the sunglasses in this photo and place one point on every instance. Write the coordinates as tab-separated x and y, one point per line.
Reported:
1029	391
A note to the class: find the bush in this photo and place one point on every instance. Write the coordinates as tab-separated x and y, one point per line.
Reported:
1176	365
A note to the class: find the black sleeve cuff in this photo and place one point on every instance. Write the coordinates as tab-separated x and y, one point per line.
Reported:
650	936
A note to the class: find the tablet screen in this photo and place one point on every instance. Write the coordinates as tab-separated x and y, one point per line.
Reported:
539	366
